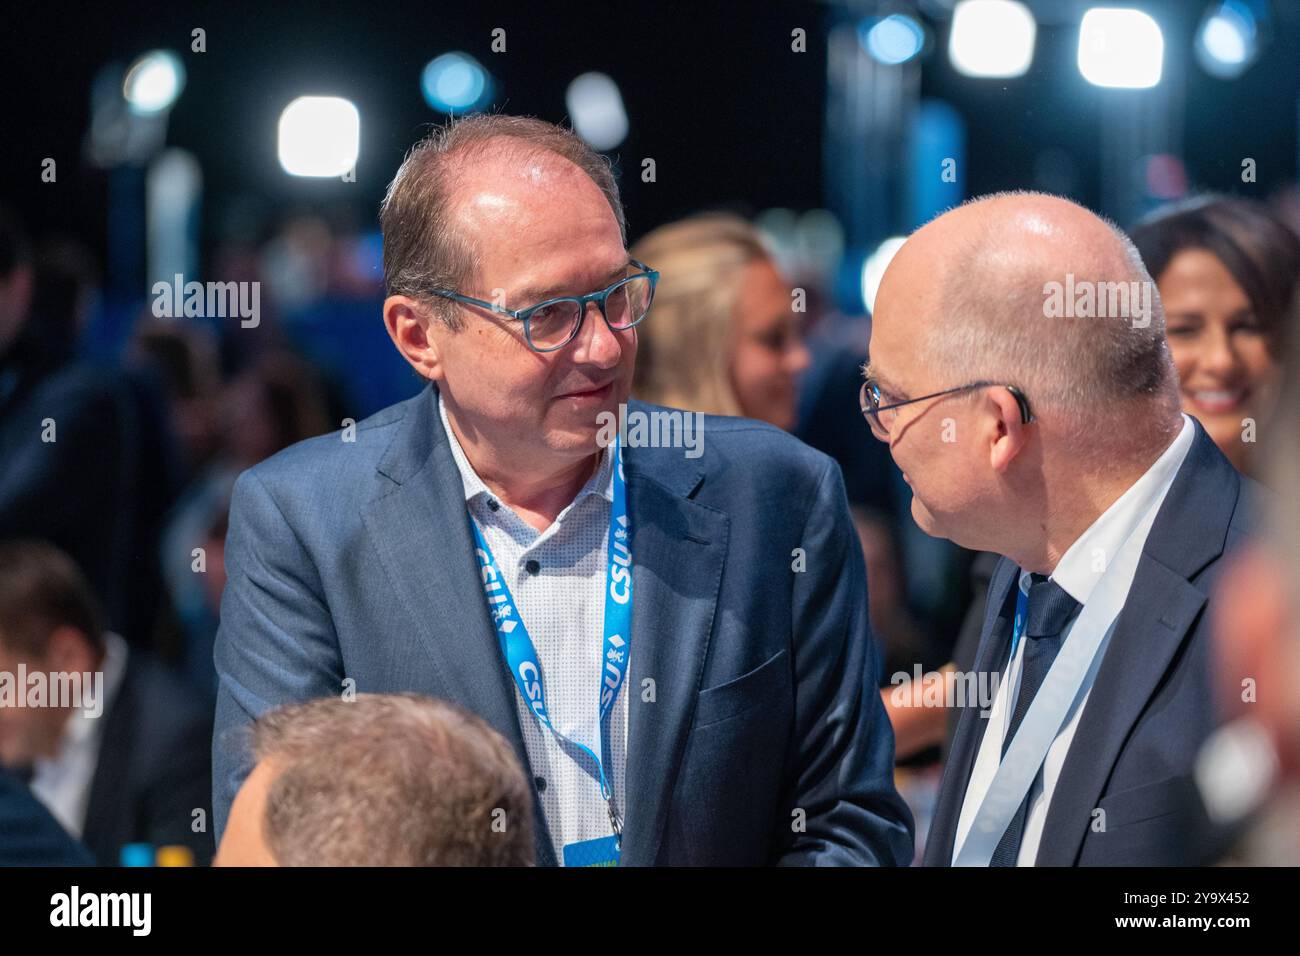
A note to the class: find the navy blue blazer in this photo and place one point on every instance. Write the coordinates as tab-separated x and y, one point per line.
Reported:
1151	705
29	835
767	741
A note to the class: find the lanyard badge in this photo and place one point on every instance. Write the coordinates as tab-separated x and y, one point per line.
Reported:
521	655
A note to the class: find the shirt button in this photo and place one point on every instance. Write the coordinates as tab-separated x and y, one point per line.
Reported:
541	783
494	504
532	567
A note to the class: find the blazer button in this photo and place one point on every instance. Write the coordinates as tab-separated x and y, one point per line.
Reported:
541	783
532	567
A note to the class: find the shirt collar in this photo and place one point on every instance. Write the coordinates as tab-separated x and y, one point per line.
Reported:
1085	561
601	483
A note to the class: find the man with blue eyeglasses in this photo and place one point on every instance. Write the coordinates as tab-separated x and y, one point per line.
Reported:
677	647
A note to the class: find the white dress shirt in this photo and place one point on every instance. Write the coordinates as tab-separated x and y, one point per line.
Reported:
1078	572
562	603
63	782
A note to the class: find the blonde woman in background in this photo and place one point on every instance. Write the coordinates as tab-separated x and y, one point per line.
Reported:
725	339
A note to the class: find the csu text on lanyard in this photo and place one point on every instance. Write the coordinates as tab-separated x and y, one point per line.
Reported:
521	655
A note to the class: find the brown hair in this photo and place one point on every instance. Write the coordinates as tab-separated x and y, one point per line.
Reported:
41	590
423	250
1259	251
392	780
684	353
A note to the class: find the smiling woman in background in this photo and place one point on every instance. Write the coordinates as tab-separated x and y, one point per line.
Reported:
725	339
1226	270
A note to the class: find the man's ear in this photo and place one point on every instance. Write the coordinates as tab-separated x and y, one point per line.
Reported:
409	323
1008	435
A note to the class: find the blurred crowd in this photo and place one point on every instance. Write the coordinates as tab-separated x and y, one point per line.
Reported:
117	465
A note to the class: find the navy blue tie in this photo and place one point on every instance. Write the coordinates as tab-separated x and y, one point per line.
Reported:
1050	609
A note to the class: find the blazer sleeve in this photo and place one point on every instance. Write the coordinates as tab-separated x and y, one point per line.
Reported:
843	775
276	643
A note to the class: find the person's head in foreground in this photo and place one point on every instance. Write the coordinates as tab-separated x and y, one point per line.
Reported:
725	338
380	780
1047	416
495	228
1227	270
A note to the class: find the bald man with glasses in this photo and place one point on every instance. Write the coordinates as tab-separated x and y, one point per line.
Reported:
1054	438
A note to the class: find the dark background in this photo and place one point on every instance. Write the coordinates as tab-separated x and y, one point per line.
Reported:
713	93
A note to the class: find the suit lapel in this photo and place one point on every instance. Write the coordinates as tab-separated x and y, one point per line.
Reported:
995	642
679	548
1147	635
1189	532
112	768
420	529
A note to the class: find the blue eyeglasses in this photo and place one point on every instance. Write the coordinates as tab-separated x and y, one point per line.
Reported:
552	324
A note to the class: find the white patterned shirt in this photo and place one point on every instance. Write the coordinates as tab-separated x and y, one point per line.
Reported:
557	580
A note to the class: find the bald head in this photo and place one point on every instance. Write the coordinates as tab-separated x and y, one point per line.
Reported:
1035	291
1011	242
1020	343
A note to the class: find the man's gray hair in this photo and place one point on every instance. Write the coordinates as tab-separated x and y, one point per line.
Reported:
391	780
423	247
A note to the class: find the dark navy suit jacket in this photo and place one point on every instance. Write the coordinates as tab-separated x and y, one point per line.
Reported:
766	742
29	835
153	769
1152	702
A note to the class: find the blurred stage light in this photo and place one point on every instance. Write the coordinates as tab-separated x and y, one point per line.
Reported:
153	82
596	110
319	136
992	38
893	39
1227	42
1120	47
873	270
456	83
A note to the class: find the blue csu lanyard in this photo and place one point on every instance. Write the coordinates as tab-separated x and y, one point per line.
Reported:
1022	612
521	656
